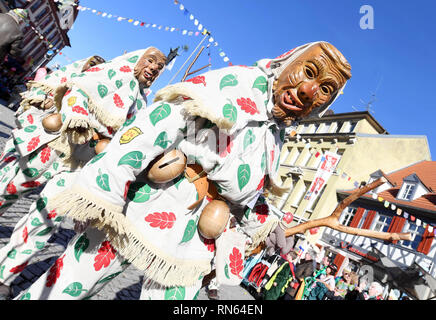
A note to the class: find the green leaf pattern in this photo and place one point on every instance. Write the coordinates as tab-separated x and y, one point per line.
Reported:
103	181
160	113
133	159
243	175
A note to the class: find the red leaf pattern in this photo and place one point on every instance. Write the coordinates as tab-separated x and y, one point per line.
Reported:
125	69
197	80
31	184
55	272
106	253
11	189
117	100
95	69
248	105
161	220
19	269
80	110
25	234
33	143
52	214
236	262
45	154
30	118
63	80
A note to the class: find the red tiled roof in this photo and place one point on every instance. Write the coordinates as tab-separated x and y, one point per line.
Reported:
426	172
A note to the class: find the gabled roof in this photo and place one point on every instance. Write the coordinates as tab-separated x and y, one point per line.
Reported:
425	171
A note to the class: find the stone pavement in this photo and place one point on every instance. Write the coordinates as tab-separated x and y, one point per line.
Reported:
126	286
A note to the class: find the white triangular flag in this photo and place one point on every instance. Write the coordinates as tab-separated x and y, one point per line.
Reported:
171	64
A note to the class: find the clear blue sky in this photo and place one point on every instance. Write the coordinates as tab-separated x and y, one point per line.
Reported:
395	60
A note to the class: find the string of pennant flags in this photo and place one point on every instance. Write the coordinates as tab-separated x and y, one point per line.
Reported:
343	175
200	30
201	27
52	48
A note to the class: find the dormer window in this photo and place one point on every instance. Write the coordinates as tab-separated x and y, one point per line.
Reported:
408	190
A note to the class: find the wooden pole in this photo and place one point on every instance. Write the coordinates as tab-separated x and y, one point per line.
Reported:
195	71
204	38
332	221
192	63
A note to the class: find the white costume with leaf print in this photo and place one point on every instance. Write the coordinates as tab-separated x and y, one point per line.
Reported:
91	99
150	224
42	162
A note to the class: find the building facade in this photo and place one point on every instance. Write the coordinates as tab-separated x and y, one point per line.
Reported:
406	202
364	146
52	20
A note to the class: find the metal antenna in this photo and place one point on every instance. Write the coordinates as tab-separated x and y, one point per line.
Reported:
367	105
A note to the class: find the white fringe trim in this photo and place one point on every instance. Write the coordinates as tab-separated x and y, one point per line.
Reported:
194	107
80	205
261	234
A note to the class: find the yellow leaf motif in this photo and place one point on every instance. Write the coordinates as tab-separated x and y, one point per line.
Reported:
130	134
71	101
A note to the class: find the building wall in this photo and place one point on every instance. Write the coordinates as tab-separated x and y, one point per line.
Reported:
363	152
44	17
397	252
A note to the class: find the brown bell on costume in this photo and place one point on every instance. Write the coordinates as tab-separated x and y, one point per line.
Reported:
213	219
52	122
167	167
101	145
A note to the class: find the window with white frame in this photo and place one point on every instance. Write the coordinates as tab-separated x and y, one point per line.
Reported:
416	233
383	223
407	191
347	216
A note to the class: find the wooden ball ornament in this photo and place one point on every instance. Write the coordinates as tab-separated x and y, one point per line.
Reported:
101	145
167	167
52	122
213	219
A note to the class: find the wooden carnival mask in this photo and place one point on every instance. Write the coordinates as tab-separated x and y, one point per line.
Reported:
311	81
92	62
149	66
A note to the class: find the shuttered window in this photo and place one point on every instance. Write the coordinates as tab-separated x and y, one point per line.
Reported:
369	219
426	242
397	225
357	217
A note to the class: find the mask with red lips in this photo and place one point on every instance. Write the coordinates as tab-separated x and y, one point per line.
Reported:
309	82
